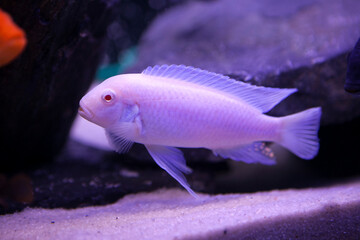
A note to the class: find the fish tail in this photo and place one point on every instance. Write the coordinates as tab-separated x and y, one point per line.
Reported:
299	133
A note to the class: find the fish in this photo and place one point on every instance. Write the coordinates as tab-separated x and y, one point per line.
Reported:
352	79
12	39
175	106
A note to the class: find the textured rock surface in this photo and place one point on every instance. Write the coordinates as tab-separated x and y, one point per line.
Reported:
318	213
40	90
272	43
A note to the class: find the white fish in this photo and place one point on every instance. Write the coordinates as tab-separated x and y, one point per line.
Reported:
177	106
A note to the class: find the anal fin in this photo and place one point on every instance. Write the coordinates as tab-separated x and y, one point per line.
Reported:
172	161
256	152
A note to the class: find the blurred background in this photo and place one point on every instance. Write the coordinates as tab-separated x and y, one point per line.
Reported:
52	158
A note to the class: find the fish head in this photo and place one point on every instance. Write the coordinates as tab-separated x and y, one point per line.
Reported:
103	104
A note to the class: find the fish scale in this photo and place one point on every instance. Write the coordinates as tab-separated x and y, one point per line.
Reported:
193	130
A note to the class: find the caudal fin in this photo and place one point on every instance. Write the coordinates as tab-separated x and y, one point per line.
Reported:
300	133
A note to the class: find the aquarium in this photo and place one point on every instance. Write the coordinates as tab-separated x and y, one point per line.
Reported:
180	119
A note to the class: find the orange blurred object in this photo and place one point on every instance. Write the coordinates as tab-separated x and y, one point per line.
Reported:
12	39
18	188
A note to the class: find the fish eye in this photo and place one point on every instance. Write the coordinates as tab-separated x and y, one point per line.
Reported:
108	96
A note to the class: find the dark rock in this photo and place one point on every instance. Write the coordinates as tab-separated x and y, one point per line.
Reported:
40	90
132	19
352	82
272	43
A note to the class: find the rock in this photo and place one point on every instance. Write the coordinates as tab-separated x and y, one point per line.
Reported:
40	90
331	212
272	43
126	29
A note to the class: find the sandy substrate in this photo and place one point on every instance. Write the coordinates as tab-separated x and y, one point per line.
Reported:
320	213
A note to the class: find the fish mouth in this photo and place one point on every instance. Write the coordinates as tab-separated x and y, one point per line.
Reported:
85	112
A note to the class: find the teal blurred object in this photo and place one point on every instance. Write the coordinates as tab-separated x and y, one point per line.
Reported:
127	59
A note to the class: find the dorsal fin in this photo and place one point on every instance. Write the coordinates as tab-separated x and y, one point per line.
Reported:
262	98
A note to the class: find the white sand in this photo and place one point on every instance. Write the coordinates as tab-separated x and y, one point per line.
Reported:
319	213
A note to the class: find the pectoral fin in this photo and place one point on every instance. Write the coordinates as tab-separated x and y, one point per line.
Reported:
120	143
171	160
129	126
254	153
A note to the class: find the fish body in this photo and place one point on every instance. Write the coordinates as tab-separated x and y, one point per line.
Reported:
12	39
352	80
166	107
196	116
